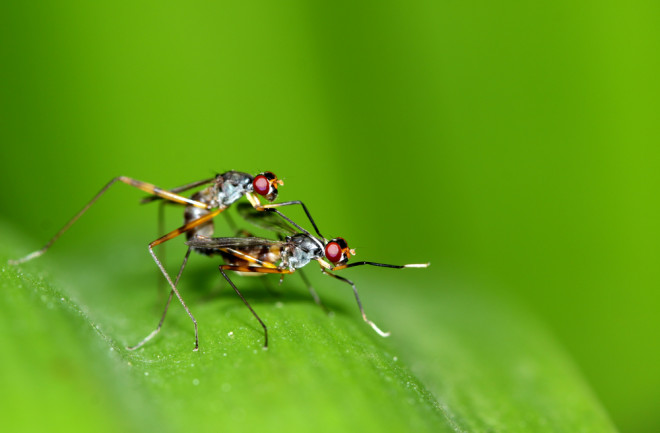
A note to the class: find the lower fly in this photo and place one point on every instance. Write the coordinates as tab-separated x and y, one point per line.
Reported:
256	255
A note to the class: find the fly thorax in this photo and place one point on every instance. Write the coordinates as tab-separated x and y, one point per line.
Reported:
234	186
303	250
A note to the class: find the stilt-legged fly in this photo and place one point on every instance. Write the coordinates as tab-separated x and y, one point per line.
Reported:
247	255
222	191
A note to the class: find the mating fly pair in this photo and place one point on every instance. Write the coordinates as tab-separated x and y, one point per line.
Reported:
266	256
240	253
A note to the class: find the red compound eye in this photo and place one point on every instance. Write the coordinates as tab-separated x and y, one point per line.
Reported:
333	252
261	185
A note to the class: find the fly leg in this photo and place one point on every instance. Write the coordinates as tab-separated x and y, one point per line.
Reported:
144	186
357	298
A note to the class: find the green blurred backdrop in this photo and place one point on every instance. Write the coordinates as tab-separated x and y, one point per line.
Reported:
511	144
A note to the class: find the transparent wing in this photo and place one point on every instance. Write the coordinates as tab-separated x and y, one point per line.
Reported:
245	242
265	220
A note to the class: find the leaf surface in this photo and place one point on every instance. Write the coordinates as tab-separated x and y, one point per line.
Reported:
459	359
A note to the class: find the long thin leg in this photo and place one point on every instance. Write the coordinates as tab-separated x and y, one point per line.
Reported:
254	201
167	305
382	265
246	303
146	187
188	226
160	192
289	203
172	235
357	298
179	189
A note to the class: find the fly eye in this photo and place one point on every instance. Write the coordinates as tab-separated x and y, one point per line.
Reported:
261	185
333	252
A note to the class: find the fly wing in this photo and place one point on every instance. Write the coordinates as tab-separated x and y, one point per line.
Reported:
237	243
265	220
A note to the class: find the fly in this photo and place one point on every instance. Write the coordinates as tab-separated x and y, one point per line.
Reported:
256	255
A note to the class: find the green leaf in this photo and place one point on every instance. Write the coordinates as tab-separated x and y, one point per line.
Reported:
458	359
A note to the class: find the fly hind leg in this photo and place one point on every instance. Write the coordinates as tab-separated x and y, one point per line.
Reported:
144	186
171	235
256	269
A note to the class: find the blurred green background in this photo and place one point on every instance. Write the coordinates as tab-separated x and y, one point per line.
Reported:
513	145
